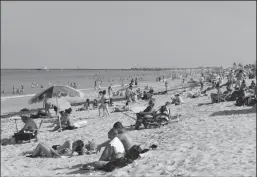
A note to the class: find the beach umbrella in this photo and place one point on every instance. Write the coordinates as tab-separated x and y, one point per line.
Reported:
60	103
55	91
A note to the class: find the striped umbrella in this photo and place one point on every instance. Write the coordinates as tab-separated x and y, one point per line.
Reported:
56	91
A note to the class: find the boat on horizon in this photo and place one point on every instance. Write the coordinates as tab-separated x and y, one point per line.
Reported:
44	69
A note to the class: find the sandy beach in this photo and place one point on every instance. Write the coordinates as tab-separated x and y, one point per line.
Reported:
208	140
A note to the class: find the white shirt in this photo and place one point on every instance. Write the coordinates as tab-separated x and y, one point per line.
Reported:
118	146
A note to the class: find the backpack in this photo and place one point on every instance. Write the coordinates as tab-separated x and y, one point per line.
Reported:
241	101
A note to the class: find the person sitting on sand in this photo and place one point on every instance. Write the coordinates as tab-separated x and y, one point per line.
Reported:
149	112
66	119
67	149
252	86
177	100
163	112
87	104
95	104
132	151
123	108
113	151
29	127
123	136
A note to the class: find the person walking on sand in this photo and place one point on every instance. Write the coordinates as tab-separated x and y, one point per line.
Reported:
46	106
95	85
166	86
105	102
201	82
110	93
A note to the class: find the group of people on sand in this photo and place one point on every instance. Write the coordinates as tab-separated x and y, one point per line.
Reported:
236	89
119	150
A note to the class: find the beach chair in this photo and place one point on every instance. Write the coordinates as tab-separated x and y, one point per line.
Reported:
27	136
153	120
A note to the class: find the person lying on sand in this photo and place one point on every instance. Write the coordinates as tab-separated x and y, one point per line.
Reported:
123	108
67	122
67	149
113	151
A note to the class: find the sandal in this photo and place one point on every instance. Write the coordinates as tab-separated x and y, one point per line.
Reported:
30	156
87	167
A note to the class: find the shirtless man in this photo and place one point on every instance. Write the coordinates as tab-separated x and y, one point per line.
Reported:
123	136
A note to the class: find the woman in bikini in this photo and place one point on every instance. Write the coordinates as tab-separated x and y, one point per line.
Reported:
67	149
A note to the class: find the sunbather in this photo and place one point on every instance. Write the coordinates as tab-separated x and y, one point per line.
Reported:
66	120
67	149
29	130
123	108
113	151
148	111
163	112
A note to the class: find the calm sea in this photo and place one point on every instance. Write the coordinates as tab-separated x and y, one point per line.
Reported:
84	79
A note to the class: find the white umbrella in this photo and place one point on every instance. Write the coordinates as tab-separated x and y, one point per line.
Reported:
60	103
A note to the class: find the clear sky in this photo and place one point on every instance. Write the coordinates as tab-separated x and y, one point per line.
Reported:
66	34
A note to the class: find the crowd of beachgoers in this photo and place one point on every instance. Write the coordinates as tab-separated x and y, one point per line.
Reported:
120	150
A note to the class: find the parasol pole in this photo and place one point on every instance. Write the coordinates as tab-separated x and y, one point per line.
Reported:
16	125
60	124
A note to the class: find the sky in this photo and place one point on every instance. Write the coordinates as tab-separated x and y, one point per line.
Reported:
113	34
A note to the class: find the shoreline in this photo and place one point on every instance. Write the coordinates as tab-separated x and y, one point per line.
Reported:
14	105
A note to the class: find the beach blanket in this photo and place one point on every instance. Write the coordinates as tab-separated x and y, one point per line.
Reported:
80	124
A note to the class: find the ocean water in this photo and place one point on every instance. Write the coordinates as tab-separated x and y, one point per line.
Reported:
84	79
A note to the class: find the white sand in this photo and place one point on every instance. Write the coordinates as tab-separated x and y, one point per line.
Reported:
210	140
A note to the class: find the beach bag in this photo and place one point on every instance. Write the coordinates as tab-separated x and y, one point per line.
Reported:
25	135
78	146
241	101
250	101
